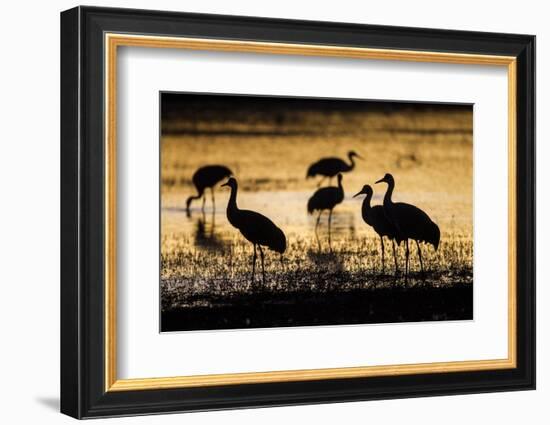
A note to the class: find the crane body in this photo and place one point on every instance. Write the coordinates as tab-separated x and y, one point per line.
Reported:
255	227
375	217
323	199
331	167
410	222
207	177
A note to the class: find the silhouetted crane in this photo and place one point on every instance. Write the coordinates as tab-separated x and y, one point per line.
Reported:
207	177
325	198
330	167
410	223
375	217
255	227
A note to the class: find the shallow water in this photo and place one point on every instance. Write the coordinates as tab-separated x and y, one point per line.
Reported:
210	229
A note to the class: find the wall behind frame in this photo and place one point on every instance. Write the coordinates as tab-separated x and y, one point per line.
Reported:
29	217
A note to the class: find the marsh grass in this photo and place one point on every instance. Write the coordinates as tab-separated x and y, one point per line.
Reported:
193	277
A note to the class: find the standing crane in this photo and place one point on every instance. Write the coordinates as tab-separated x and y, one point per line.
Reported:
323	199
410	223
255	227
375	217
330	167
207	177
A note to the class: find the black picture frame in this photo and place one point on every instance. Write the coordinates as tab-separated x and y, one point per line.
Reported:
83	392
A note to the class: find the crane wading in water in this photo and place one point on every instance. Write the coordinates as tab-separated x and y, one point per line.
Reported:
330	167
326	198
255	227
375	217
410	223
207	177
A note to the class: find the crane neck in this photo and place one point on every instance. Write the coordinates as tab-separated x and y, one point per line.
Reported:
389	192
232	204
366	202
351	166
365	206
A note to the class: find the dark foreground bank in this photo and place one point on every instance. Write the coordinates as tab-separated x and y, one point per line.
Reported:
335	307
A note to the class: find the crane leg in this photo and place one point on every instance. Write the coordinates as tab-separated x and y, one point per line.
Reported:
329	223
262	258
316	226
203	202
213	199
382	245
420	257
321	181
395	258
254	264
407	260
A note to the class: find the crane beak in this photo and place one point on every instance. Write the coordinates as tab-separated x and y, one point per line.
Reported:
225	184
381	180
359	156
358	193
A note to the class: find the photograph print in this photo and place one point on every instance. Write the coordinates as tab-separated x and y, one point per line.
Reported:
291	211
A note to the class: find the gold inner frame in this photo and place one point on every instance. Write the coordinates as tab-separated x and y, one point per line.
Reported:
113	41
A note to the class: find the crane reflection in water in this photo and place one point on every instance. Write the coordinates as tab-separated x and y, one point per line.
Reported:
206	237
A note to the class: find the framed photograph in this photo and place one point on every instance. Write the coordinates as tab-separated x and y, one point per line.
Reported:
261	212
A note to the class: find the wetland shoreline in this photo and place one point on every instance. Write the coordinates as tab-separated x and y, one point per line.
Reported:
416	302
